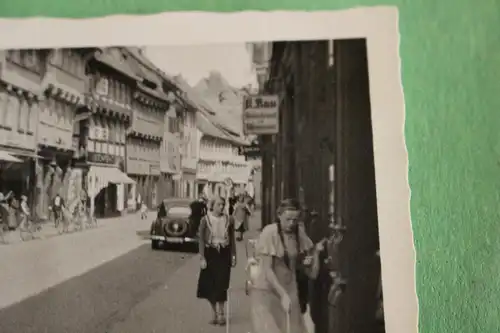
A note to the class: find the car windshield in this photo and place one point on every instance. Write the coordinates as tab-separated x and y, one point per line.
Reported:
179	211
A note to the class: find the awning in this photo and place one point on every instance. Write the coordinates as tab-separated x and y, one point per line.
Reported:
100	177
6	157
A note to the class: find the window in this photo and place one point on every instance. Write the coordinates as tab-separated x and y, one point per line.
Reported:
25	58
102	86
12	111
4	100
69	115
33	117
91	146
180	211
23	119
112	89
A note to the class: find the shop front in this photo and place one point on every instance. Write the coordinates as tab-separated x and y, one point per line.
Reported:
19	107
107	184
189	183
146	175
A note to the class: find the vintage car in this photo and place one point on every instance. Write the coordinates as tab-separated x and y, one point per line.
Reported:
174	225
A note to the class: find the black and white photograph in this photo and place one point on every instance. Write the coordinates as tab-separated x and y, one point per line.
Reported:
198	187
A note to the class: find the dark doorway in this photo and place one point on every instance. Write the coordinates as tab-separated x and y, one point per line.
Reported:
355	191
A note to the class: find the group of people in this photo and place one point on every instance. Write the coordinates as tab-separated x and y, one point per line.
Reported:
13	213
16	213
283	255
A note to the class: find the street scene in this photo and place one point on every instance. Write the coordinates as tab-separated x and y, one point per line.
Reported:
196	188
108	281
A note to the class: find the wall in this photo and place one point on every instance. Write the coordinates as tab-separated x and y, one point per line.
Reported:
189	141
170	157
143	157
147	120
22	73
220	159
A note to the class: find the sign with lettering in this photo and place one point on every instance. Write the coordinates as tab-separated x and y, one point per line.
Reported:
250	151
261	114
101	158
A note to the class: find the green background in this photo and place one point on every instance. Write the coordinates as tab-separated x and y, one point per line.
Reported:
450	53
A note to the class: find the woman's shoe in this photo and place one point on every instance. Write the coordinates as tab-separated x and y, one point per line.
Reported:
222	320
215	320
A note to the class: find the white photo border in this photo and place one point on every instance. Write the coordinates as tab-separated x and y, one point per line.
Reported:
379	25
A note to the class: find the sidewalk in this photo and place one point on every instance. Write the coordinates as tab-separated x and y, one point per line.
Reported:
33	266
49	230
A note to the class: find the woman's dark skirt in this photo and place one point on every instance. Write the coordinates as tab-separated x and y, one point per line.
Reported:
213	281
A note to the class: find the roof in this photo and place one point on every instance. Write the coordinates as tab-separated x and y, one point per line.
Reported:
209	125
208	128
194	98
150	72
113	57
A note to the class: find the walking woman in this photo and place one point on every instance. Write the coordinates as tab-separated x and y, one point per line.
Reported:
218	254
241	214
283	249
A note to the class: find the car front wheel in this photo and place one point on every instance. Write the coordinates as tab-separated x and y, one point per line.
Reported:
155	244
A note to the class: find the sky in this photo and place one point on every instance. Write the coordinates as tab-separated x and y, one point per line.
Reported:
195	62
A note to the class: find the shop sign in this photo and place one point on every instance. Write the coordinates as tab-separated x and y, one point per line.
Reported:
252	151
261	115
101	158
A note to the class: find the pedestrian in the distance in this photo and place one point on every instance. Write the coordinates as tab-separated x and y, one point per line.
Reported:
217	255
144	211
241	214
231	199
24	211
57	208
282	249
4	215
198	210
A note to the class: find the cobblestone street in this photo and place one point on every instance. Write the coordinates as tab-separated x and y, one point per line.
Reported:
109	280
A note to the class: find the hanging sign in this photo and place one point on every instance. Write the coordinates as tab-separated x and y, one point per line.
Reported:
261	115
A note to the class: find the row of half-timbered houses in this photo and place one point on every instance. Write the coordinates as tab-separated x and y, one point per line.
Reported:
101	122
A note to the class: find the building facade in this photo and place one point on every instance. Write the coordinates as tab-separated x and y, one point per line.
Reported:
150	105
330	169
219	159
170	155
21	97
63	85
100	134
189	153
